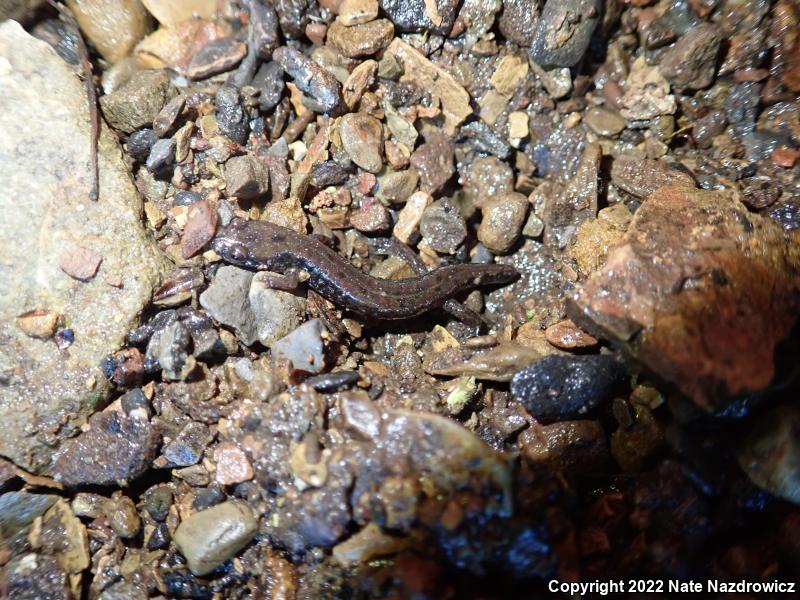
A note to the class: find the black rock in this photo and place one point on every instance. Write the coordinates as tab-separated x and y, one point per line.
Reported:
561	388
269	82
412	15
564	32
157	501
186	198
311	78
161	155
140	142
231	117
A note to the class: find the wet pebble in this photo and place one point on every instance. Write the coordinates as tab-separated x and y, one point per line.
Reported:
246	177
115	449
503	218
201	225
641	178
413	15
559	388
360	40
113	28
707	127
167	115
518	21
303	346
210	537
217	56
434	162
140	142
275	312
484	139
397	186
443	226
188	446
362	139
137	103
311	78
333	382
157	501
161	154
38	323
574	447
232	464
356	12
371	217
226	300
268	80
231	118
568	336
564	31
603	121
690	64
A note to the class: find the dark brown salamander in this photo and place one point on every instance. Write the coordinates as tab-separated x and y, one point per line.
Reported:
262	245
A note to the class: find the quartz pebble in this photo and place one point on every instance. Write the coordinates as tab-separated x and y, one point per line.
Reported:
360	40
362	139
503	218
210	537
604	121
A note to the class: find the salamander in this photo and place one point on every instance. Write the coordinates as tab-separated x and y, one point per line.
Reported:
266	246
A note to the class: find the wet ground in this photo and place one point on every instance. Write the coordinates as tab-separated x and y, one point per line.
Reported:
187	418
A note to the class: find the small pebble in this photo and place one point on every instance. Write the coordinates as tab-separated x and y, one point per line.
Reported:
210	537
443	226
80	263
362	139
201	225
38	323
360	40
137	103
161	154
406	229
246	177
232	464
356	12
560	388
303	346
434	161
603	121
371	217
396	186
503	218
567	336
217	56
140	142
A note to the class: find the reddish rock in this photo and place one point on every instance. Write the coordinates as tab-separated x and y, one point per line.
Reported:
201	226
785	157
566	335
699	290
80	263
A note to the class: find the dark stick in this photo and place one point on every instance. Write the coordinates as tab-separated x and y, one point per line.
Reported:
88	83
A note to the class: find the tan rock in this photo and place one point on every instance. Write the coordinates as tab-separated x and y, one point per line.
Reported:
454	98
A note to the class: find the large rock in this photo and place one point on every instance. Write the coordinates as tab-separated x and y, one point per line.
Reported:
699	290
45	212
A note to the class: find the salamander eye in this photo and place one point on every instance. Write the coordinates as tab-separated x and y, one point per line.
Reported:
236	253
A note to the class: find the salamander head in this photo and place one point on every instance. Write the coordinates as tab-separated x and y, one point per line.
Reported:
236	242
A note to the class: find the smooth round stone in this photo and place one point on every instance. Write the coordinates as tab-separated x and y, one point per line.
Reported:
210	537
604	122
